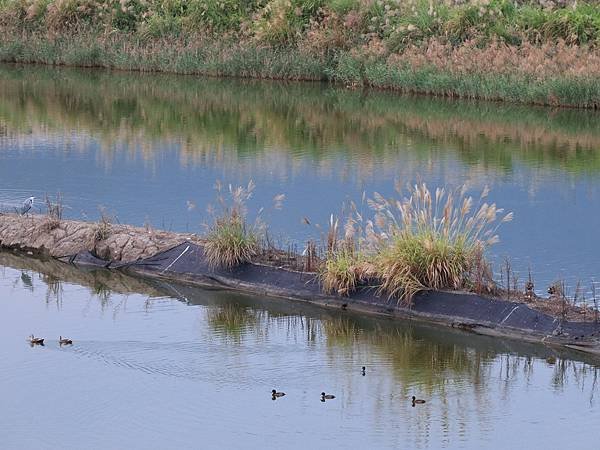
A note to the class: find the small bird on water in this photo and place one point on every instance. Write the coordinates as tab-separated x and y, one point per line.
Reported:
364	371
35	340
325	396
64	341
27	204
276	394
417	401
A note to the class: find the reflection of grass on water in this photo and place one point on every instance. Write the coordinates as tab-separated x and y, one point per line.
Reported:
54	289
414	359
430	360
224	119
427	363
232	319
102	292
340	330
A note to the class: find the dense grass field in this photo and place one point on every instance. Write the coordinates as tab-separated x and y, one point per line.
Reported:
528	51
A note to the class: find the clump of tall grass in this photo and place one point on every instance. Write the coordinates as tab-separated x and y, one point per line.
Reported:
344	270
103	228
230	240
433	240
346	266
422	241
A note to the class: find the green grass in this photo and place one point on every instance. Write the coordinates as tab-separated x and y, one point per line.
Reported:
424	240
343	271
573	92
281	39
412	262
233	60
229	243
285	21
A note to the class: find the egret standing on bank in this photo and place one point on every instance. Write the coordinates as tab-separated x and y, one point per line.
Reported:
27	204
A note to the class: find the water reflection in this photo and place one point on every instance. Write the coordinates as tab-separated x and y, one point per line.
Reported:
219	122
233	320
49	277
230	350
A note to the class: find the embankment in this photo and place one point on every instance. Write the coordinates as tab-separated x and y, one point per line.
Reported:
531	51
179	257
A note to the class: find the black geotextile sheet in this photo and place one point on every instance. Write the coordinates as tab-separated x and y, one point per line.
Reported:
187	259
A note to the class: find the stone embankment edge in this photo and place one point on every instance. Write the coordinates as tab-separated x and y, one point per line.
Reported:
124	246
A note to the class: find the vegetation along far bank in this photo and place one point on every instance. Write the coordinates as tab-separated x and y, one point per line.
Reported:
529	51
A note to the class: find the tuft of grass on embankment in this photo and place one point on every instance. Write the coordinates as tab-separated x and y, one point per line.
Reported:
425	240
231	241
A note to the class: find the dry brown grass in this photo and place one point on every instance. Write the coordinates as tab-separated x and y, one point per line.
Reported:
103	228
540	62
329	32
54	212
424	240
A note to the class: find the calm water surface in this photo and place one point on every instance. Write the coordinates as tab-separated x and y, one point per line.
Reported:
165	366
149	149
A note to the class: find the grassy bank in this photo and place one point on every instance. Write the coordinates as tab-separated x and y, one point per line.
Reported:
496	50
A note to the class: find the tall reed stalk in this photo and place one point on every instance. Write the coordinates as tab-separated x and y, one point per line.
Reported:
231	241
423	240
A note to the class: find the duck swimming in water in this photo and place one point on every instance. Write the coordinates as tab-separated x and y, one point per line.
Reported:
325	396
64	341
276	394
417	401
364	371
35	341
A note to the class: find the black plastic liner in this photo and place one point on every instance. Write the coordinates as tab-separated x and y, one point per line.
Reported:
186	262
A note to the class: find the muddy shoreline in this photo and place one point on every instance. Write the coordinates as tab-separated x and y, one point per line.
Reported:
178	257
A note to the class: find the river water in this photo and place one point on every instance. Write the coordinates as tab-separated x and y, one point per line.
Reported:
163	366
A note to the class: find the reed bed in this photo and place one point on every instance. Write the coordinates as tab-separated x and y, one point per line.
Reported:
528	51
424	240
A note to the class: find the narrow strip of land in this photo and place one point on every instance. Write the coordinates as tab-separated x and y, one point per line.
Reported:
183	258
